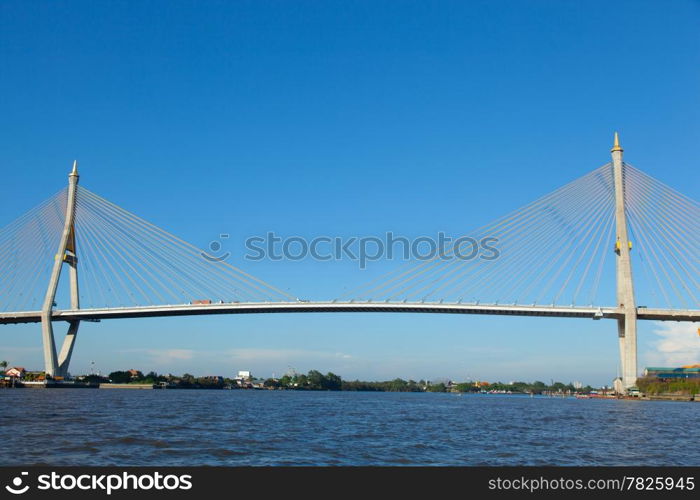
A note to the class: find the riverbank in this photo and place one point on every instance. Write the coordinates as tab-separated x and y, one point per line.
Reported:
137	386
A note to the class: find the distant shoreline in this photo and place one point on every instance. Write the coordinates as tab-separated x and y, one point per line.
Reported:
136	386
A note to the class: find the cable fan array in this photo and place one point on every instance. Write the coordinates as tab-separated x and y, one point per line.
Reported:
123	260
551	251
27	249
665	226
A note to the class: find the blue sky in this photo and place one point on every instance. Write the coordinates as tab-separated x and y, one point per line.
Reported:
343	118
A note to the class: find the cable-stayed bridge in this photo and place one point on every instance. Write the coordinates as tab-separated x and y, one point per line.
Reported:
554	258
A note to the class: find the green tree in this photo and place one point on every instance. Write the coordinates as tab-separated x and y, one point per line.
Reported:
558	387
316	380
94	379
467	387
439	387
301	381
187	380
538	387
271	382
333	382
153	378
120	377
30	376
3	365
397	385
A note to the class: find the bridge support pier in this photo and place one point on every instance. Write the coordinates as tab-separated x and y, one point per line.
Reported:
627	336
53	365
67	349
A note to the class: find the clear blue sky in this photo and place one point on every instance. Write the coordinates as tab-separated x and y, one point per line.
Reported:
341	118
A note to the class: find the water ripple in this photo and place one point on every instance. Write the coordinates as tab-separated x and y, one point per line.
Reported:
122	427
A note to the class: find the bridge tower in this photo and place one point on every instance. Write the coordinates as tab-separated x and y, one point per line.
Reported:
627	323
67	252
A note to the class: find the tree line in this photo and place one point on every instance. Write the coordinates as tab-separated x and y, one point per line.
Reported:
314	380
183	381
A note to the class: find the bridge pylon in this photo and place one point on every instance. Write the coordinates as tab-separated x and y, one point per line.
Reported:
66	253
626	305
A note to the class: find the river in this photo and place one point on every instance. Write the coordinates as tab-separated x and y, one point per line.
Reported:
259	428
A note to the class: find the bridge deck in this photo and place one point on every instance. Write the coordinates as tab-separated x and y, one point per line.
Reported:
346	307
